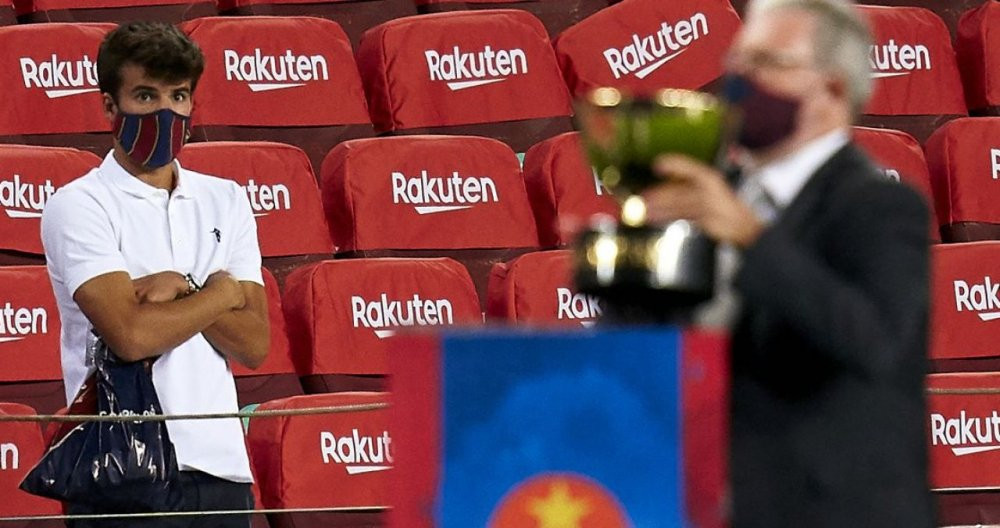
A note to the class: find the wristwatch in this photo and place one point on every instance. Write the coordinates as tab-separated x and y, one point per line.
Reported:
193	285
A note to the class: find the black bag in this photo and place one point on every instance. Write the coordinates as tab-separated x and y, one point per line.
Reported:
120	467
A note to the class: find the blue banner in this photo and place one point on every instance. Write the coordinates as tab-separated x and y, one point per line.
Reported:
561	430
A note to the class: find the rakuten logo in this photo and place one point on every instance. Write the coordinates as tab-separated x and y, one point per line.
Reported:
438	194
384	315
19	323
995	160
358	454
10	458
647	53
966	435
578	306
24	200
264	73
266	198
470	69
981	298
894	60
60	77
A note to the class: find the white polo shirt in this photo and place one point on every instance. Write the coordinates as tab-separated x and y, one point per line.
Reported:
109	220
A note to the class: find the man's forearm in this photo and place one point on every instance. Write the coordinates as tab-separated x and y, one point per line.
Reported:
240	335
243	335
156	328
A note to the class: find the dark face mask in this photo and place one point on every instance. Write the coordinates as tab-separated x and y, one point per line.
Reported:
767	118
151	140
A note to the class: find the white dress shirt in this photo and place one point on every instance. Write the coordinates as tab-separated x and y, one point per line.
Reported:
783	178
768	190
109	220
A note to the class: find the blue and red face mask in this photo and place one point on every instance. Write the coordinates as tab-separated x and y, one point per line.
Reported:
152	140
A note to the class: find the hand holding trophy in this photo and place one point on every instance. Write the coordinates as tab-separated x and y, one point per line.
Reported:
644	271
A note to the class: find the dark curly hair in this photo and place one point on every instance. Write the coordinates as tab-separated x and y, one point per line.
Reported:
160	48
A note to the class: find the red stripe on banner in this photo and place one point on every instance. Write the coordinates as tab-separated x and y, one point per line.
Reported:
146	139
415	416
705	393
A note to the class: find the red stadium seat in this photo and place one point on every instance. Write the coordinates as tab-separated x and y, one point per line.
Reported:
257	521
276	378
333	460
556	15
901	159
29	339
338	313
420	196
563	188
29	177
964	160
21	447
50	81
949	11
978	48
642	45
354	16
964	441
283	194
291	80
7	14
537	289
965	313
917	84
112	10
487	73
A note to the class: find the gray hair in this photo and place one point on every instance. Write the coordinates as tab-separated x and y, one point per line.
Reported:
842	42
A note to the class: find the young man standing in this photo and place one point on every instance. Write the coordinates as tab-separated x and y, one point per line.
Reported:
162	262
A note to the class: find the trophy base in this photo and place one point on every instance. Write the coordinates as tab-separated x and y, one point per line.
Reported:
645	273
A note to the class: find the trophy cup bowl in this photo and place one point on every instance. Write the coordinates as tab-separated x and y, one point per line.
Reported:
629	262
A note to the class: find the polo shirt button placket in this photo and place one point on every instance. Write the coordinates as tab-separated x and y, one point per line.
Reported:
176	250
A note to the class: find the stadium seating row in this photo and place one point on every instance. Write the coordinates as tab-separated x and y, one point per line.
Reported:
330	322
297	461
492	73
355	17
456	193
341	312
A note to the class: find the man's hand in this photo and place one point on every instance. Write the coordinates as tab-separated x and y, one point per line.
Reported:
694	191
229	287
160	287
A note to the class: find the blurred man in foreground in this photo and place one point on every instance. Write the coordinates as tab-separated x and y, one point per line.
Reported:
826	286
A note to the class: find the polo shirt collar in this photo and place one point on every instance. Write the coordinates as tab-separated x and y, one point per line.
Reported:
136	187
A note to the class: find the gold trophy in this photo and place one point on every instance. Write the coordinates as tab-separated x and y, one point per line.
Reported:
632	264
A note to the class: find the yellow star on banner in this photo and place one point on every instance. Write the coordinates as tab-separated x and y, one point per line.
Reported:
559	509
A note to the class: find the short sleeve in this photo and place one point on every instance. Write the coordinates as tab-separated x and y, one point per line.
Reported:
79	239
244	261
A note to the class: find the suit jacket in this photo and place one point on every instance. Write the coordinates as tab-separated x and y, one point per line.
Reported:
829	358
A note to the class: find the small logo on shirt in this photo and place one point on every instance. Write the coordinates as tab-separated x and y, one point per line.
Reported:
218	234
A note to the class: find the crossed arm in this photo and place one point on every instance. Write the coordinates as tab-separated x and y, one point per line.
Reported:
149	316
